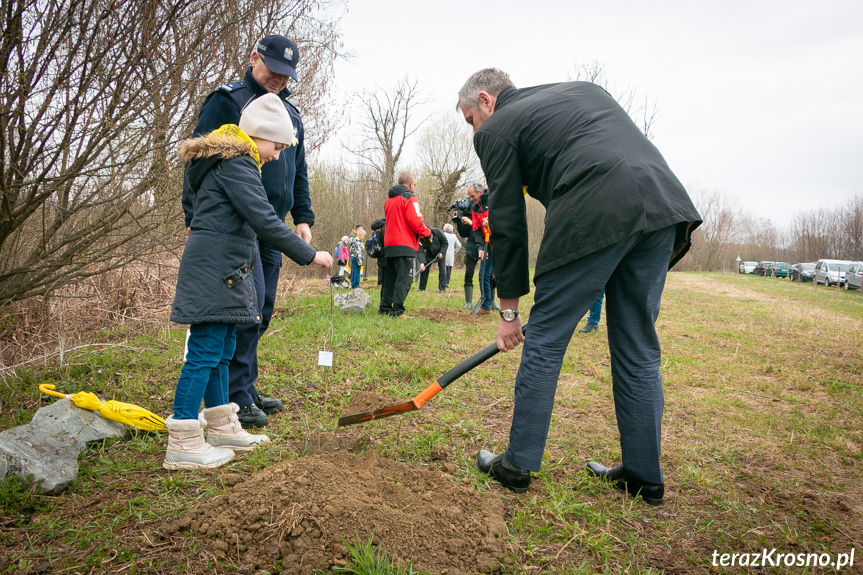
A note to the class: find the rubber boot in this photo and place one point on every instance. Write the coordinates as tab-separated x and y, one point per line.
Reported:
187	448
494	304
224	429
468	297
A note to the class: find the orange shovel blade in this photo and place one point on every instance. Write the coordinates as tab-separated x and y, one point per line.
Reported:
412	405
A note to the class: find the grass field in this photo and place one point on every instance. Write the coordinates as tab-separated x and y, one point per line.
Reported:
762	446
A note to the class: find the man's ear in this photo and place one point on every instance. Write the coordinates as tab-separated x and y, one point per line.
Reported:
487	99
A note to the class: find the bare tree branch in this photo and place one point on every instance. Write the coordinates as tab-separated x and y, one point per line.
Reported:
644	116
447	160
95	95
387	122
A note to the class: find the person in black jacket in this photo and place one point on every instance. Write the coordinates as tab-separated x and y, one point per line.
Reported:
472	245
616	217
272	64
376	241
434	250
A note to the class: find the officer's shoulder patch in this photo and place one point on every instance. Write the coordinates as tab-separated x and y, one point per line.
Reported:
230	87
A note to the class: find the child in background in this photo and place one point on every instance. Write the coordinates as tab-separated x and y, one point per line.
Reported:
215	286
342	255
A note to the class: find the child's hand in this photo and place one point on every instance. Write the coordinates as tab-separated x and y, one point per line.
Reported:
324	260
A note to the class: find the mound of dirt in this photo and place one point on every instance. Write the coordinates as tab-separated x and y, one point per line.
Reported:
448	314
369	401
303	511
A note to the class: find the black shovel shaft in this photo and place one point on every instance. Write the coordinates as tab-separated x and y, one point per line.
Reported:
480	357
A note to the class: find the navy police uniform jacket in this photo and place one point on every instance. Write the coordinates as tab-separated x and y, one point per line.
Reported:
286	180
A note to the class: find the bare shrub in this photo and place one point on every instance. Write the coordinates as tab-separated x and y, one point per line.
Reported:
94	97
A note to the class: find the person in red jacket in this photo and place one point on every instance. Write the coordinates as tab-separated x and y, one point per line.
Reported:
401	240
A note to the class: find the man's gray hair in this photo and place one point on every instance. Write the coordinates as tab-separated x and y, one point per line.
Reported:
405	178
477	187
489	80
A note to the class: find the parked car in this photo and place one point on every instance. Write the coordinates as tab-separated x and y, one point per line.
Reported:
803	272
854	275
762	267
830	272
779	269
747	267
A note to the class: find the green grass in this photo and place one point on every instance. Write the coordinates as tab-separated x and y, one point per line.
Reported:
367	559
762	444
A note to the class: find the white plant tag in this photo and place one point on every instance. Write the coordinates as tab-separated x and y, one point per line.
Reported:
325	358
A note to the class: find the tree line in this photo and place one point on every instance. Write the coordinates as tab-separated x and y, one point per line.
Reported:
96	95
730	231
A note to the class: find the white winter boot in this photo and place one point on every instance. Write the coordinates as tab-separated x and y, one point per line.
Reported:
224	429
187	448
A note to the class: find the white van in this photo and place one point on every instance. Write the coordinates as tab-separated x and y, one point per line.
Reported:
854	276
831	272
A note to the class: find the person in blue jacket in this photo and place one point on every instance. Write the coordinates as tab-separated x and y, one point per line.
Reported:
272	64
215	286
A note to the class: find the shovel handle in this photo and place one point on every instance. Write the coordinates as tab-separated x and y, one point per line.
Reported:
487	353
482	356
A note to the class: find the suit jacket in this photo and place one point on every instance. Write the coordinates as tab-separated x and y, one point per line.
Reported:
573	148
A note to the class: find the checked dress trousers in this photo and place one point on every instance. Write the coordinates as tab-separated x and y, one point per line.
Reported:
633	275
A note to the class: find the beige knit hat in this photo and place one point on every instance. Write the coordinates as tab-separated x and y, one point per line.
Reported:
266	118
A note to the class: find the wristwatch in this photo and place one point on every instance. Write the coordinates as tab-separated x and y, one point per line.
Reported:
509	314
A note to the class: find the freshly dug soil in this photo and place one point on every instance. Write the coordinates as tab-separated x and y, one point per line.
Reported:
370	401
303	511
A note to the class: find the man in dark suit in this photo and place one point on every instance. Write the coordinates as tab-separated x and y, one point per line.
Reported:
616	218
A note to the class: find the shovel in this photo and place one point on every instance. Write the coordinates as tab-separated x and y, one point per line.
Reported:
429	392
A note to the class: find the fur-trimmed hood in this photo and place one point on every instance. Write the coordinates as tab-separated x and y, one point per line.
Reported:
212	144
203	153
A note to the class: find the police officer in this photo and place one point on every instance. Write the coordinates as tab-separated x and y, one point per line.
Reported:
273	63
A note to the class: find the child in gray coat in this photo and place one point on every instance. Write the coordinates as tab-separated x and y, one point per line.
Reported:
215	286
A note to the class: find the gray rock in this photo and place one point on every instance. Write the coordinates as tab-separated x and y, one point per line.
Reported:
51	460
63	416
48	447
354	301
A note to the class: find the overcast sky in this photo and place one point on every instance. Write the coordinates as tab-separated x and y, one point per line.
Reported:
761	100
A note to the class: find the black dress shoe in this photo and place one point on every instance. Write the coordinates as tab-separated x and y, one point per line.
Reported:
251	416
651	493
267	404
510	476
